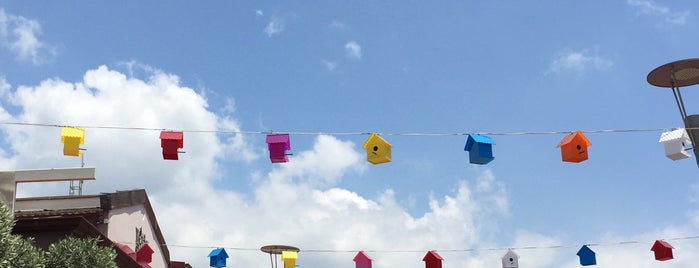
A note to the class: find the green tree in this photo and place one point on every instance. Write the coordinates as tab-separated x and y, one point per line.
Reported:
15	250
77	252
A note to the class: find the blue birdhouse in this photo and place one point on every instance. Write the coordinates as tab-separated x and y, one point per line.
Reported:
587	256
217	258
480	149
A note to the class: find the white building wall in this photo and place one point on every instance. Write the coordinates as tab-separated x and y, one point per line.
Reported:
122	228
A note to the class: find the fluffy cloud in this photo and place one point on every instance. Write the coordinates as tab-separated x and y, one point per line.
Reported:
126	159
578	62
353	50
274	26
329	65
297	203
20	35
328	223
650	8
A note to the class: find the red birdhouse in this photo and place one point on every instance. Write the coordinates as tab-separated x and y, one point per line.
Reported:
144	254
574	147
432	260
171	141
663	250
362	260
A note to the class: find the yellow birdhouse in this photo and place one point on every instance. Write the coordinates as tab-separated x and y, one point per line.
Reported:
72	137
289	258
378	151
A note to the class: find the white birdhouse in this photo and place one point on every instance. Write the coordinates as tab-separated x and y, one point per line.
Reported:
677	144
510	260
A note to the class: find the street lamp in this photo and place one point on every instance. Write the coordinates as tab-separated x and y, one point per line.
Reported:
276	250
674	75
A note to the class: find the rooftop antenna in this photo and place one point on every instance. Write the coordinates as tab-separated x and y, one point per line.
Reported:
275	250
674	75
76	186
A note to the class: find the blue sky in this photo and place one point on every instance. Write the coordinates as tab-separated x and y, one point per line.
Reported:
389	67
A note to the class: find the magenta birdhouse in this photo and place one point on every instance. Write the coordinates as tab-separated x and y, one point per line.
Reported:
144	254
362	260
432	260
171	141
662	250
278	144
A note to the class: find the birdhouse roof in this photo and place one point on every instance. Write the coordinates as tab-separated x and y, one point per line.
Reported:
219	252
585	250
659	244
475	138
277	138
145	249
481	138
676	134
374	139
573	137
432	255
361	256
289	255
509	254
171	135
73	133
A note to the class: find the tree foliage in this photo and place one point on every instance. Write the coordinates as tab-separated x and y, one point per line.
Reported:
19	252
78	252
15	250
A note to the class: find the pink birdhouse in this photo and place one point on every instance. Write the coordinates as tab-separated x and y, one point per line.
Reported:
432	260
278	144
663	250
171	141
144	254
362	260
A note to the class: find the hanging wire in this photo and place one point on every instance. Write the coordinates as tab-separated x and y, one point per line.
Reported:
347	133
620	243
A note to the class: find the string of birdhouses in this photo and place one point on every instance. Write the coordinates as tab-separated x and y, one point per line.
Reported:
676	141
662	251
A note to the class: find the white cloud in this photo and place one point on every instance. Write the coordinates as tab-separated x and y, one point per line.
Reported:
336	24
20	36
650	8
5	87
274	26
298	203
353	50
329	65
109	98
578	62
259	12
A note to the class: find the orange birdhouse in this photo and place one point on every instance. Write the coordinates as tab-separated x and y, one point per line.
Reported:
574	147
